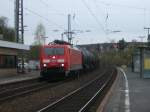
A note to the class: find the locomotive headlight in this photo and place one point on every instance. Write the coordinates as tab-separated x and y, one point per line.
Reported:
46	60
44	65
62	65
60	60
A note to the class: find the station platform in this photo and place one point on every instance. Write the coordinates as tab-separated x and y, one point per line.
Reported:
5	79
129	93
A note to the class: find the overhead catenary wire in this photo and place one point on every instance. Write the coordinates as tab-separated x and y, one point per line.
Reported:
63	14
121	5
126	6
77	25
102	13
56	11
105	15
78	22
96	19
44	18
94	16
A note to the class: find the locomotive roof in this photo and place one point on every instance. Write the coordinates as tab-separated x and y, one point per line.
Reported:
56	45
64	45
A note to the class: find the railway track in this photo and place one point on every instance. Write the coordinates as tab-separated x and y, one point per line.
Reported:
10	93
80	99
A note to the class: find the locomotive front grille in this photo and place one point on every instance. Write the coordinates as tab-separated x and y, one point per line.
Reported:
54	70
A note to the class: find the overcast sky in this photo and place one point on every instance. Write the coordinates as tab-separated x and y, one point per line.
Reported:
127	16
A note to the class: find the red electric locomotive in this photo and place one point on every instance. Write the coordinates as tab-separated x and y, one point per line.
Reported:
59	58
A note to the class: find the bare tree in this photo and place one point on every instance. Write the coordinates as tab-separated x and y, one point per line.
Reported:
40	34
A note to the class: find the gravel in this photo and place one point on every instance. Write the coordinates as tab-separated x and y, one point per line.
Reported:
37	100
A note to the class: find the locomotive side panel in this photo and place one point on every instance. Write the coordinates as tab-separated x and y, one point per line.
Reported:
75	59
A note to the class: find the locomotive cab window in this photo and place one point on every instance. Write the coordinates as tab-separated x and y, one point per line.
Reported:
54	51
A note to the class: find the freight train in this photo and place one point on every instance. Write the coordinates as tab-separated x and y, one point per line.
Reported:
62	57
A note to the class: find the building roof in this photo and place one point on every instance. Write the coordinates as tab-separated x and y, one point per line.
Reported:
12	45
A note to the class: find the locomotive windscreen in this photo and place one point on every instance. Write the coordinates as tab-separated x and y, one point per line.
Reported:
54	51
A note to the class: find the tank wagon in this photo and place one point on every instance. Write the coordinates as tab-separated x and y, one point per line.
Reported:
89	60
62	57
